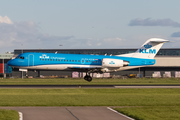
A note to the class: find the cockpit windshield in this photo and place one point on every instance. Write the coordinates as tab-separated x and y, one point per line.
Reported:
19	57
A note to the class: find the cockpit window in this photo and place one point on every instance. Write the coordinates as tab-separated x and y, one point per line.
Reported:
19	57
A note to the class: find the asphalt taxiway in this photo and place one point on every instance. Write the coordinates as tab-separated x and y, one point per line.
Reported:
68	113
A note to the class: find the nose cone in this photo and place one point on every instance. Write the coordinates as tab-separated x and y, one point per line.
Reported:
10	63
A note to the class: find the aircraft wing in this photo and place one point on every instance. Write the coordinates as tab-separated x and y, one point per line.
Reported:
85	68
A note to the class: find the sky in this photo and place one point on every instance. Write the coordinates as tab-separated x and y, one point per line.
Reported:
87	24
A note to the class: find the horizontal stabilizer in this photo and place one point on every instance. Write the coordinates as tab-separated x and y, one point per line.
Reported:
158	40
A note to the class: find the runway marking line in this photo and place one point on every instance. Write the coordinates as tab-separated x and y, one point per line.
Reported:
20	116
120	113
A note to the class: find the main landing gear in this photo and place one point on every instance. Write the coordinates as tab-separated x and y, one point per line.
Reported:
88	78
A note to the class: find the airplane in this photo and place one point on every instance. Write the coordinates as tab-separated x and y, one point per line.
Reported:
144	56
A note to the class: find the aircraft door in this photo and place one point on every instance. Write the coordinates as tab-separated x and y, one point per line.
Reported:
82	61
31	60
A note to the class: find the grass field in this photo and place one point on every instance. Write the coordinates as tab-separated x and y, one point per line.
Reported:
9	115
71	81
89	97
152	113
154	103
141	104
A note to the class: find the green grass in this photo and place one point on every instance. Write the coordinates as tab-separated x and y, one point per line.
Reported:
9	115
71	81
148	104
89	97
152	113
154	103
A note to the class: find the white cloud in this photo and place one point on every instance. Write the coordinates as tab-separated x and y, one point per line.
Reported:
26	33
98	44
5	19
176	34
114	42
151	22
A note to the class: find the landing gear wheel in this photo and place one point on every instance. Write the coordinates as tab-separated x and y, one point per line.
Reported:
86	77
89	79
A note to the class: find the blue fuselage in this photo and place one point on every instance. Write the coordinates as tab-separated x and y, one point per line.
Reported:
39	59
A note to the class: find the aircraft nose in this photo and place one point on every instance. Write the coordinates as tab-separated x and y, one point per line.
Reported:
10	63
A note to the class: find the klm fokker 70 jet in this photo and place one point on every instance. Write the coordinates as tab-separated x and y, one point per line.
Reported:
90	63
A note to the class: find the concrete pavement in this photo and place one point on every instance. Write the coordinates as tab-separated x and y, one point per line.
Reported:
67	113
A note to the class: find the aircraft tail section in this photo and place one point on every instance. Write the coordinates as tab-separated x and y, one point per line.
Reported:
148	50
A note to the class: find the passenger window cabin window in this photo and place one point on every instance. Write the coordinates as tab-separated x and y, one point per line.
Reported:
51	59
86	60
64	60
78	60
61	60
39	59
69	60
75	60
72	60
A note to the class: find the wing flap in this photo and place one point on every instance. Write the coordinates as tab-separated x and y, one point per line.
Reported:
91	67
85	68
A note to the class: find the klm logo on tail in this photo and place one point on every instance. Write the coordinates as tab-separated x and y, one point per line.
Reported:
147	50
147	46
151	51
